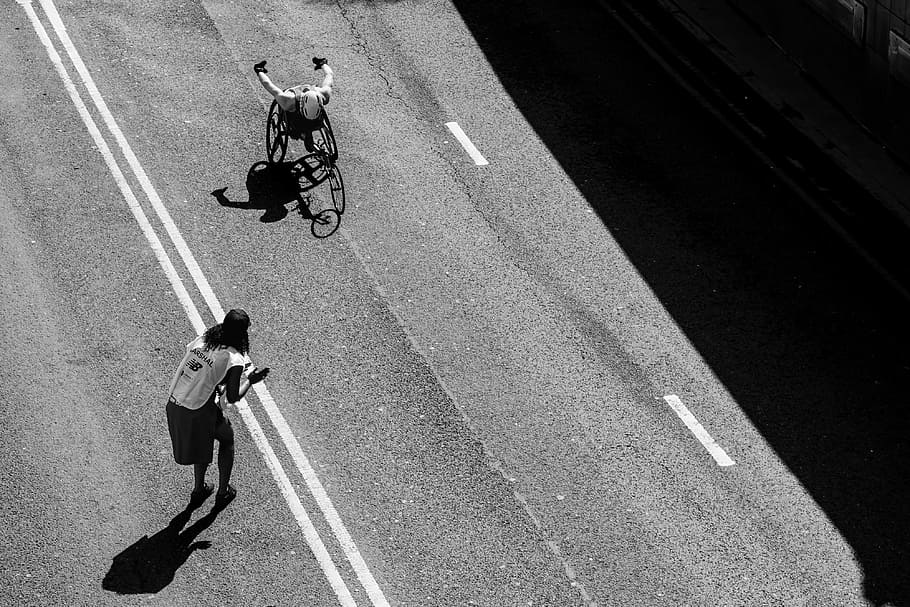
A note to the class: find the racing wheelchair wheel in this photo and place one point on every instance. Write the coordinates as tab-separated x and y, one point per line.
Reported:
328	138
336	185
276	134
325	223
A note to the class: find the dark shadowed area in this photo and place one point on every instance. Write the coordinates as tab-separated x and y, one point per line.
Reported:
804	335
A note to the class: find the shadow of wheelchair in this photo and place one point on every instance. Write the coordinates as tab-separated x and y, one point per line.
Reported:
272	186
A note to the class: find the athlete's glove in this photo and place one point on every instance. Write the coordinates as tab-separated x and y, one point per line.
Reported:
260	67
318	62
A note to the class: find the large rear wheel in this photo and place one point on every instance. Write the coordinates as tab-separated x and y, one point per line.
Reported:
328	139
336	184
276	134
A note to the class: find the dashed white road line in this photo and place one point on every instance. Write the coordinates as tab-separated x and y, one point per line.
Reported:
469	147
312	537
719	455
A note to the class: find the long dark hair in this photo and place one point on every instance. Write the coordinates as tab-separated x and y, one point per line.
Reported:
217	337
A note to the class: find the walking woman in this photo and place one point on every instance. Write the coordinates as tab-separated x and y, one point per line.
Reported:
212	366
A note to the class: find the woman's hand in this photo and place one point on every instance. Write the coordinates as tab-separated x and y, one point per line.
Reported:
257	375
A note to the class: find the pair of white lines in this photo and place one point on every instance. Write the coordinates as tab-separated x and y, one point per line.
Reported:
324	559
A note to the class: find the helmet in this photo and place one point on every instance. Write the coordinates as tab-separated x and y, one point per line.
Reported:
311	105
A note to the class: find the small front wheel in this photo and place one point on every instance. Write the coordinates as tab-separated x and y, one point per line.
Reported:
276	134
324	223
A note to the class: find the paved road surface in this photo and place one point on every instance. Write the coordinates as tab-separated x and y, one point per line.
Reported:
474	366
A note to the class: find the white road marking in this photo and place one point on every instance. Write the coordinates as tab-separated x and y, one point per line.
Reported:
719	455
322	499
318	548
146	184
469	147
131	201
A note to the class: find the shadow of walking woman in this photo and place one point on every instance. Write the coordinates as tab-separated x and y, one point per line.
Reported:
150	564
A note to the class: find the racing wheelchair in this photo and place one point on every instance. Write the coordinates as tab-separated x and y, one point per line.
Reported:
281	127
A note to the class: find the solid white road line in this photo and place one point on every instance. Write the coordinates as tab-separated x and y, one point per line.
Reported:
719	455
322	498
189	261
469	147
255	429
290	441
274	465
293	500
131	201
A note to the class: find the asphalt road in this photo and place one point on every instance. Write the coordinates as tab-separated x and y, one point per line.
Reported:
473	367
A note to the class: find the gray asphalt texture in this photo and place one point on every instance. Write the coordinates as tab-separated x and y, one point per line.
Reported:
474	363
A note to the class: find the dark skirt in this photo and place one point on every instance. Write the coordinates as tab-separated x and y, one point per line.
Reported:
193	432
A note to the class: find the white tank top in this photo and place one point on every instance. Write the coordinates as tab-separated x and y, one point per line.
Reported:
200	371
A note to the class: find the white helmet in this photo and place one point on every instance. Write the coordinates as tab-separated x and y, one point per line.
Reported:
311	106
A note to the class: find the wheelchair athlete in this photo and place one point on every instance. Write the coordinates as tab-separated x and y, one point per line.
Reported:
303	105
